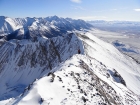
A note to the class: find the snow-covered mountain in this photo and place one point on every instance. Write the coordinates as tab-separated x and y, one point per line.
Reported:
26	28
74	68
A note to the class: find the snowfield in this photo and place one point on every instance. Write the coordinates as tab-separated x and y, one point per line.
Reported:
99	75
70	84
59	61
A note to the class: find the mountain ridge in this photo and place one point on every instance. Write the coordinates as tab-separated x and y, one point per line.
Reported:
74	64
71	74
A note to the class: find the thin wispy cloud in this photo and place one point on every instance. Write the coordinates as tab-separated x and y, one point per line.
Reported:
92	18
113	9
105	10
76	1
77	7
137	10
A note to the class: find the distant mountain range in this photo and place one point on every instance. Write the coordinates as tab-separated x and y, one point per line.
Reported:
26	28
125	27
115	23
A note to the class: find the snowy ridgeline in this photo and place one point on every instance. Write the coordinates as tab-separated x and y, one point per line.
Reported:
51	72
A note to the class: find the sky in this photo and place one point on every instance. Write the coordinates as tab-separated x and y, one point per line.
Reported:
128	10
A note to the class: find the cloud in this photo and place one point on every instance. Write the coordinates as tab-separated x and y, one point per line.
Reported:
113	9
76	1
77	7
138	10
106	10
92	18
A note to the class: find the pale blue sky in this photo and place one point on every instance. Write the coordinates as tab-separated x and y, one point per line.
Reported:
83	9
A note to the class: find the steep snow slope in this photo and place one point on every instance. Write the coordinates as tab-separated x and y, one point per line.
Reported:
99	75
111	57
77	82
127	44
